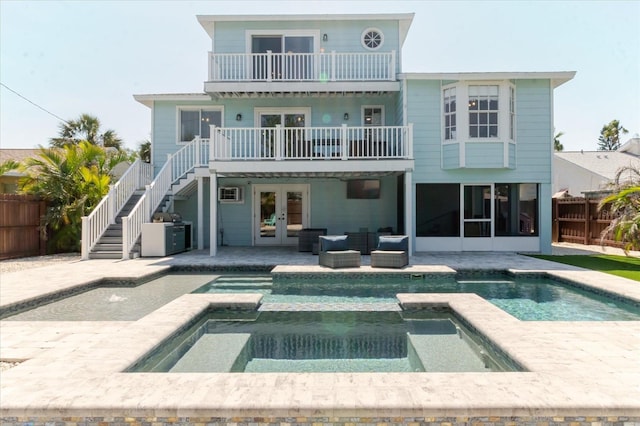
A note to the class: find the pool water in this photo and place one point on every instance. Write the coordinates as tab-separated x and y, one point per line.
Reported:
528	299
326	342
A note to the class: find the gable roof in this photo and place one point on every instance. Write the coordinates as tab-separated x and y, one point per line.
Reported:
603	163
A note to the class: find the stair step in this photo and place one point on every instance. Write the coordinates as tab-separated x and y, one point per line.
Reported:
105	255
107	247
105	239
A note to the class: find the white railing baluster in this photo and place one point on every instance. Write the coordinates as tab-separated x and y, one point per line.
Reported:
177	165
269	66
104	214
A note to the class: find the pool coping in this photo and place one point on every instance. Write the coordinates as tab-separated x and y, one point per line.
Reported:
576	369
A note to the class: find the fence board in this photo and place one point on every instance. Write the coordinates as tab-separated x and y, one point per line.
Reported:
20	226
577	220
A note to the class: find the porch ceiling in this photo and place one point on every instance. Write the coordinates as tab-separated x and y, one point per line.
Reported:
311	169
326	175
299	89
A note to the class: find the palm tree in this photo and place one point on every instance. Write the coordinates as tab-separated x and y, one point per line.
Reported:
85	128
557	146
624	205
144	151
609	139
73	180
8	166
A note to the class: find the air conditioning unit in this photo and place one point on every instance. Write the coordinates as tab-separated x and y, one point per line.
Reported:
230	194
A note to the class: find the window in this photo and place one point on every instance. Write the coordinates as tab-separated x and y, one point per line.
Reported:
516	207
372	116
450	113
438	210
196	122
483	111
372	38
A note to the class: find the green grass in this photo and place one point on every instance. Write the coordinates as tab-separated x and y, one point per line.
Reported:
622	266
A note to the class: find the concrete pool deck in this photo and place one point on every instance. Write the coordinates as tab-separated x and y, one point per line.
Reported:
583	372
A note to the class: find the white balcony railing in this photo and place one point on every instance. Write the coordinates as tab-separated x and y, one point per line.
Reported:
308	143
190	156
311	67
94	225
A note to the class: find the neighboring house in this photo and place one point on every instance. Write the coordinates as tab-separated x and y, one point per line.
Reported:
307	121
9	181
579	172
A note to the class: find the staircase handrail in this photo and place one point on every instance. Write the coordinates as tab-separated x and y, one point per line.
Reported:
104	214
177	165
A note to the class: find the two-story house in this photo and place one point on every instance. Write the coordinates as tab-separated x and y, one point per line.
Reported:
307	121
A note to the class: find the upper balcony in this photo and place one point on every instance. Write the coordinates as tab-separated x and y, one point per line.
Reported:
234	73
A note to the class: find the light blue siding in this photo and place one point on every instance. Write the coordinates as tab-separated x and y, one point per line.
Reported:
423	110
484	155
451	156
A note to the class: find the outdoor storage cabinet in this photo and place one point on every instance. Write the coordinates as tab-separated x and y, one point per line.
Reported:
165	238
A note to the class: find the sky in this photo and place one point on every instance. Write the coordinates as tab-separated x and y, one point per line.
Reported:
73	57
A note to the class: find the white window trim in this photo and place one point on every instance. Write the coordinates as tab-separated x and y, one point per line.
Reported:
181	108
284	33
366	30
306	111
462	111
382	114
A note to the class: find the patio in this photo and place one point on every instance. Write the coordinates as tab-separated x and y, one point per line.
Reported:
585	373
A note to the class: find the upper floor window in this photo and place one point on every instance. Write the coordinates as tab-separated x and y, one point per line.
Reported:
483	111
488	111
195	122
372	116
450	113
372	38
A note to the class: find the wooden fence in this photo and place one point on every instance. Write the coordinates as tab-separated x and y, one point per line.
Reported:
20	226
577	220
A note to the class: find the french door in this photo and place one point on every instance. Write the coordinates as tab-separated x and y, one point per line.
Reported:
280	212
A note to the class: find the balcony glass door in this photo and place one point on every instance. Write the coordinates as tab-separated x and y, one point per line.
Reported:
290	142
288	58
280	212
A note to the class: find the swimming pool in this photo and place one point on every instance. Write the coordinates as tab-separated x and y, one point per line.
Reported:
259	342
528	298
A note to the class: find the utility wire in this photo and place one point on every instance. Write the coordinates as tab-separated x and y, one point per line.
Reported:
33	103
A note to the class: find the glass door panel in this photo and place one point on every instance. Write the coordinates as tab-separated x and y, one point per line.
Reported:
298	65
268	143
280	213
477	211
263	69
294	213
268	216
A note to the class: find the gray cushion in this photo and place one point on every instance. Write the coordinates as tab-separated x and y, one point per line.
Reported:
393	242
334	243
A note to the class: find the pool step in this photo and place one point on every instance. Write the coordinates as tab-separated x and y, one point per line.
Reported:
247	283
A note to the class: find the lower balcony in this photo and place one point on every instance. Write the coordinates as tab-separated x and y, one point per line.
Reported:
305	150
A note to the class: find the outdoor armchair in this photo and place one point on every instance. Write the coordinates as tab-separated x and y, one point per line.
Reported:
392	252
334	252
